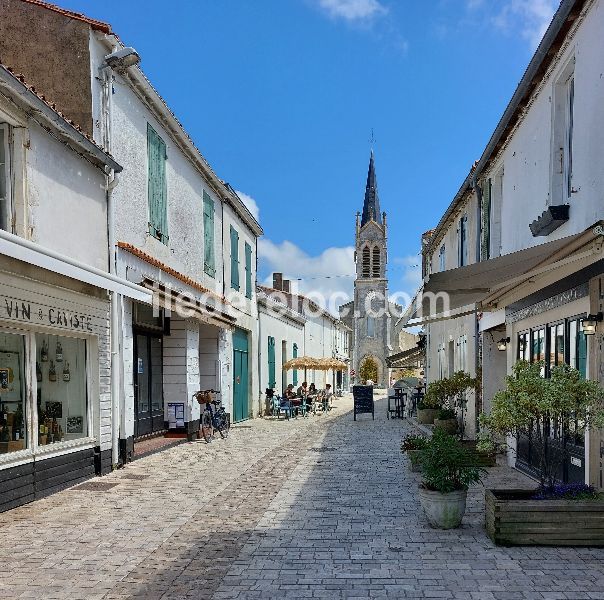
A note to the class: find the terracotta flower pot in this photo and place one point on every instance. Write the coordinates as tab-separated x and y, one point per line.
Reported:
426	416
443	511
449	425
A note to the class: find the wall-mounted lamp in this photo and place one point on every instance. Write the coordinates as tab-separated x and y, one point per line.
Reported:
123	59
590	323
502	344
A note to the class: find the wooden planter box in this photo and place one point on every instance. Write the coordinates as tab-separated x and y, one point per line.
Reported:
426	416
447	425
513	519
480	459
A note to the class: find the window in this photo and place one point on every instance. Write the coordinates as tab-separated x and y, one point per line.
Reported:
524	350
271	362
441	259
370	327
62	388
234	259
562	139
462	241
209	262
376	262
6	213
157	186
248	270
366	262
13	414
462	359
485	238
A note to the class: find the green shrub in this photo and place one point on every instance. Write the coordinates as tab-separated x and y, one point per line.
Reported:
445	463
446	413
413	442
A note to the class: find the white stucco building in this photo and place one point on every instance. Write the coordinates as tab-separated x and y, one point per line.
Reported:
518	253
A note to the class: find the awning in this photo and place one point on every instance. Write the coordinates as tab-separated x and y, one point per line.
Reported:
176	302
463	291
406	358
21	249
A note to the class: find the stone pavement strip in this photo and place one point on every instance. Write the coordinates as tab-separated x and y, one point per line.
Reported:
322	507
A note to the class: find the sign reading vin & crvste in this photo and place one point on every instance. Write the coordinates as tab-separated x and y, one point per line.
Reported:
13	309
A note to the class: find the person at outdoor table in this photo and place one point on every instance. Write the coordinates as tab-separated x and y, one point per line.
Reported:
289	391
303	390
327	397
312	390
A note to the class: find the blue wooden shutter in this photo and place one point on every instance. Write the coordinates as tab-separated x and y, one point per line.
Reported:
271	362
209	262
295	355
234	259
157	185
248	270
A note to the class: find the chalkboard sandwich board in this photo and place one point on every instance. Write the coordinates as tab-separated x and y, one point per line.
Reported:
363	400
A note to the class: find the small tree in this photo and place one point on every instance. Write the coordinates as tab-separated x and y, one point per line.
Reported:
369	370
533	406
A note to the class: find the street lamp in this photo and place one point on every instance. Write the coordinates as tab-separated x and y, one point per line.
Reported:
502	344
590	323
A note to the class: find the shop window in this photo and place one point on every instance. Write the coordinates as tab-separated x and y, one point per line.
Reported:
524	349
13	430
62	389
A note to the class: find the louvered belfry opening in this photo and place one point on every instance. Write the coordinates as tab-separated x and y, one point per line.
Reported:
366	262
376	262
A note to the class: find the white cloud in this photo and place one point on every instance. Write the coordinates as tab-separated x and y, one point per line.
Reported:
329	275
352	10
530	17
250	203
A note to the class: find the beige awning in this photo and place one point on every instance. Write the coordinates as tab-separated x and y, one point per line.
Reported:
479	286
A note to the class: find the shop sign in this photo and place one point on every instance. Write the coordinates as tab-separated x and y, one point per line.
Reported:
34	313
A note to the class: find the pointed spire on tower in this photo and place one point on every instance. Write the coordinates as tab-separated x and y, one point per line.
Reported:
371	206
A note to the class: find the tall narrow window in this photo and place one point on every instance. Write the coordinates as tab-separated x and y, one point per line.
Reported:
271	362
5	187
209	261
370	327
462	240
485	240
248	270
234	259
366	262
377	270
157	186
570	105
441	259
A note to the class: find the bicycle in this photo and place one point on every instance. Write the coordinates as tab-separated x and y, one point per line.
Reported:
212	419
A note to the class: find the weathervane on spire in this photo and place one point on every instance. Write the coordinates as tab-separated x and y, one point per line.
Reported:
372	139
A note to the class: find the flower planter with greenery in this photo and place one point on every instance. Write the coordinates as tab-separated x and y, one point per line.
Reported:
480	458
446	420
537	407
412	445
426	414
446	475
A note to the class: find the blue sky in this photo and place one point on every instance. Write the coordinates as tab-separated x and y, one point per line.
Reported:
281	97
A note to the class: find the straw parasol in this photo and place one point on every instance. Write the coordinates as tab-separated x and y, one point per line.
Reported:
302	362
329	364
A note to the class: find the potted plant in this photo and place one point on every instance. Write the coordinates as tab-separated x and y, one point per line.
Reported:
427	410
412	446
446	475
446	420
550	412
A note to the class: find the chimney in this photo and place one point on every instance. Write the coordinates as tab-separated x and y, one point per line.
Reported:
278	281
286	285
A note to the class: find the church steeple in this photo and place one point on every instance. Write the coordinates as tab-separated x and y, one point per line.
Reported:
371	206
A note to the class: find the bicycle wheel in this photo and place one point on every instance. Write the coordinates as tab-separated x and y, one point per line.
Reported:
207	430
224	426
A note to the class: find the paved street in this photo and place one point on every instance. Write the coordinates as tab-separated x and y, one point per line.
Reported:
320	507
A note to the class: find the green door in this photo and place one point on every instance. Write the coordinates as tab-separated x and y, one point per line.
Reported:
240	375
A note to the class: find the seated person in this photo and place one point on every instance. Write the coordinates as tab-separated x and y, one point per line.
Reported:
303	390
312	390
289	392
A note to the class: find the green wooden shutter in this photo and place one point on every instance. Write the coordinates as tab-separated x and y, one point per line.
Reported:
271	362
209	262
157	185
248	270
295	355
234	259
485	239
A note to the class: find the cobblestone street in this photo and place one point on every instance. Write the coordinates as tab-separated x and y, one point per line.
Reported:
319	507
